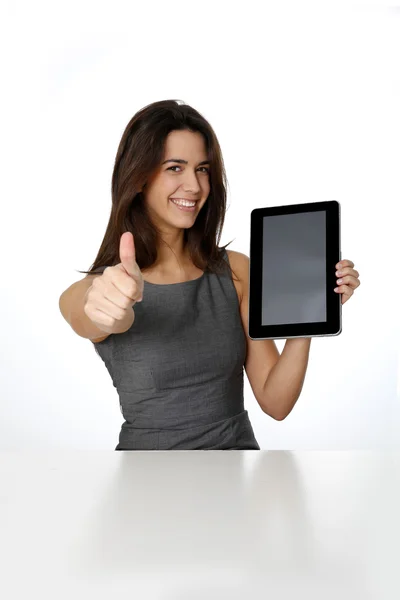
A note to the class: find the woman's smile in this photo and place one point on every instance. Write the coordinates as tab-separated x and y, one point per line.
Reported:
184	205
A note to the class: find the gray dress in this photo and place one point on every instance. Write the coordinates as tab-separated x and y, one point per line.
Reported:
178	370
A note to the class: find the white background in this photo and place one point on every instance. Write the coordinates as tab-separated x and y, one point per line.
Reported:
304	100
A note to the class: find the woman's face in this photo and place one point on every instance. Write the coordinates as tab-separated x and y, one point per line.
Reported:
189	180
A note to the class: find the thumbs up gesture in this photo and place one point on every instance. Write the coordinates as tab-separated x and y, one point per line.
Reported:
110	298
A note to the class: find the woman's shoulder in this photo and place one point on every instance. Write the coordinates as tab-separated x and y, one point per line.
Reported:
239	263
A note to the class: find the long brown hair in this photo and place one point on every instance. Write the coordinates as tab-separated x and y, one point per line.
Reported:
139	154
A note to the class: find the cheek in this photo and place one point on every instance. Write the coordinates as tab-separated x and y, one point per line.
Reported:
167	188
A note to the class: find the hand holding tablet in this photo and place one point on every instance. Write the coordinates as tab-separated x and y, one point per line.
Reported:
294	252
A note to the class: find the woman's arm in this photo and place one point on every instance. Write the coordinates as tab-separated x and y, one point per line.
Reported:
285	380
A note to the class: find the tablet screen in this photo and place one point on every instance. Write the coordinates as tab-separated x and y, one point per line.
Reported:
294	267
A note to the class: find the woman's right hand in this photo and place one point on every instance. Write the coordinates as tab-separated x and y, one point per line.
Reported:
110	298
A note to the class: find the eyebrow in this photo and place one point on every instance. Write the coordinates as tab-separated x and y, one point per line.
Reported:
185	162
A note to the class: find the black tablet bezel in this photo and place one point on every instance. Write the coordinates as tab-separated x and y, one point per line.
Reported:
333	324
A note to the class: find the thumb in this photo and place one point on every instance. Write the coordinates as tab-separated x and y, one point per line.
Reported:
127	253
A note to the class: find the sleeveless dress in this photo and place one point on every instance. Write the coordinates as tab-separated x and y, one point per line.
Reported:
178	370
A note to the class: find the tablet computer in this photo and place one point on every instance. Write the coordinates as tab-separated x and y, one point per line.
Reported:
294	250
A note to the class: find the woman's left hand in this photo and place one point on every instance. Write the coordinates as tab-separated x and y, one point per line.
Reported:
348	279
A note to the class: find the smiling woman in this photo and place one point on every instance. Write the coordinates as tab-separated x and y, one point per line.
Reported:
178	368
167	151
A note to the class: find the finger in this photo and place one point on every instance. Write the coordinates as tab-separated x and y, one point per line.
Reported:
345	291
349	280
127	253
119	288
345	263
347	271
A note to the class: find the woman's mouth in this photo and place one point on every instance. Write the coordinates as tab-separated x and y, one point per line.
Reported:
185	206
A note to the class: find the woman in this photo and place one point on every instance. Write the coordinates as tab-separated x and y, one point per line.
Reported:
177	360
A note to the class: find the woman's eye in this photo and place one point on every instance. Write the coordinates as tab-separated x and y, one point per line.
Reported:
177	167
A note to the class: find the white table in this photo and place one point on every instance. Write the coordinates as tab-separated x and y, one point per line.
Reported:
184	525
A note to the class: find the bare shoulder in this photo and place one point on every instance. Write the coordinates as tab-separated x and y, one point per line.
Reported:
240	263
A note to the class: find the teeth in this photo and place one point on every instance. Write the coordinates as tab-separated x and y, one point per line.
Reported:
183	202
